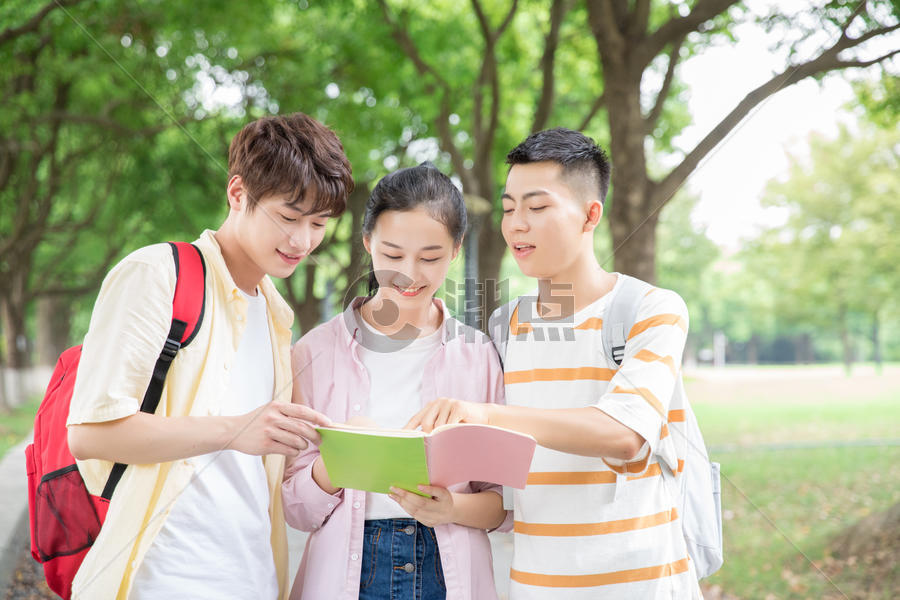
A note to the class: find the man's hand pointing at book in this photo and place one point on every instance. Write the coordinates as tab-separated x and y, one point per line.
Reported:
444	411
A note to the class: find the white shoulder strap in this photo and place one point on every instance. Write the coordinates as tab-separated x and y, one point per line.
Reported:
621	315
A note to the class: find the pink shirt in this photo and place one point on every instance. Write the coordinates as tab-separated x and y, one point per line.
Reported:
333	380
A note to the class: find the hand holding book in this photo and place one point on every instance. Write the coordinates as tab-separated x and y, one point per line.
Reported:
430	505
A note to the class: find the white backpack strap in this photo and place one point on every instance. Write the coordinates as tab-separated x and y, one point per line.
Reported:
621	315
701	499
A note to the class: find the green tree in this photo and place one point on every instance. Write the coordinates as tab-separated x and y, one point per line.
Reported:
530	66
879	100
94	161
685	260
116	119
837	254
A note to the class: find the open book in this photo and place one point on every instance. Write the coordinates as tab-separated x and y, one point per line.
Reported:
375	459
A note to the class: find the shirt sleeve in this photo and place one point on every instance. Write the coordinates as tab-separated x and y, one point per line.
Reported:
496	389
497	395
639	393
129	325
306	505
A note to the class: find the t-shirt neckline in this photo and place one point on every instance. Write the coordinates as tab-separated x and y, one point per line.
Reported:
591	309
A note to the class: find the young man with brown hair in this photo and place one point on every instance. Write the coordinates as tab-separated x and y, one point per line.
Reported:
198	511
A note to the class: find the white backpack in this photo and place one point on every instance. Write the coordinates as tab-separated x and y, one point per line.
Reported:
699	486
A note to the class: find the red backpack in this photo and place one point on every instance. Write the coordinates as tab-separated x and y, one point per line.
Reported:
65	518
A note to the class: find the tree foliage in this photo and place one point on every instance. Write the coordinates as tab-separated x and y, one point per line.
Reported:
116	118
833	264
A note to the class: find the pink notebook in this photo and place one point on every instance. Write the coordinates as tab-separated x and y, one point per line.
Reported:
469	452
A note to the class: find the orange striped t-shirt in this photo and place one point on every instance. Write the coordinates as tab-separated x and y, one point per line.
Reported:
589	528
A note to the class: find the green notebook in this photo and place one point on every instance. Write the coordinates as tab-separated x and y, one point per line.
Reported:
376	459
374	462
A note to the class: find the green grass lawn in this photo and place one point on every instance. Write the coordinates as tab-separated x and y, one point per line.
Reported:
778	504
15	425
865	418
748	411
774	500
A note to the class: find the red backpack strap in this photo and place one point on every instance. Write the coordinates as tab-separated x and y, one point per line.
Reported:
190	289
187	316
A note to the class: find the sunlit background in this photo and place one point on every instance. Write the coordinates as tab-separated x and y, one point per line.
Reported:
780	231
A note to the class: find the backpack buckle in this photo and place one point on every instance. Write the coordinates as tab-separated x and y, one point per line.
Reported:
170	349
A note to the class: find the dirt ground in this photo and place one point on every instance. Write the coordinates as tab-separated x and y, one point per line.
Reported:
810	384
28	581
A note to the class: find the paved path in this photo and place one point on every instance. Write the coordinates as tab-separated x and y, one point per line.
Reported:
13	510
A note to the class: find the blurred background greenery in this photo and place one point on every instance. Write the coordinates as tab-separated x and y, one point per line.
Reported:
116	118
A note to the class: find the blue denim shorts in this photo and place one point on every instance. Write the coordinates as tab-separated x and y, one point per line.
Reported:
400	561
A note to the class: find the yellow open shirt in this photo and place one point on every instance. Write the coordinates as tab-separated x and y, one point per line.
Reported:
128	328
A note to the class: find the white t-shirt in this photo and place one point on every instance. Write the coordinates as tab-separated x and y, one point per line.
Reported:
215	542
395	375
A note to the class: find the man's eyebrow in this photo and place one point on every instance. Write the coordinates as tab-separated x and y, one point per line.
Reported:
528	195
293	206
437	247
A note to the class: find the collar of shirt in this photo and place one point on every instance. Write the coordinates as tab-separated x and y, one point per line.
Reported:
351	334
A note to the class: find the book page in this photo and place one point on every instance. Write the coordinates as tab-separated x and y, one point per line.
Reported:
469	452
377	431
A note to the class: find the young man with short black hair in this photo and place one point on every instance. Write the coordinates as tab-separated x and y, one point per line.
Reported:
598	518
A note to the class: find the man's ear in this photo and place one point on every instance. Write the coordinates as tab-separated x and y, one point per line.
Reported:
594	214
235	193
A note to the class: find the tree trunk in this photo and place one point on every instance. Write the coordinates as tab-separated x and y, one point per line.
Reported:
358	270
13	307
54	319
810	356
634	246
798	350
846	342
4	401
753	350
876	343
632	221
689	357
491	249
307	310
803	353
12	380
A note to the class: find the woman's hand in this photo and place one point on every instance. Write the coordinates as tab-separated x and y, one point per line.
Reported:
431	511
320	476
